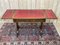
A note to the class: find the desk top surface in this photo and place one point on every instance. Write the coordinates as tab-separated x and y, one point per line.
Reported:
29	14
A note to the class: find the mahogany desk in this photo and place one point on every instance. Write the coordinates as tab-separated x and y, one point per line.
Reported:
29	15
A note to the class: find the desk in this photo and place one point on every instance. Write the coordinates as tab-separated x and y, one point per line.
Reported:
29	15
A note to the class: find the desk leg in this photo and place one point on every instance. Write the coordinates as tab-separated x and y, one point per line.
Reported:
43	20
14	20
17	29
41	25
16	26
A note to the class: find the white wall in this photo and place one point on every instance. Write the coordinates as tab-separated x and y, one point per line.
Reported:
32	4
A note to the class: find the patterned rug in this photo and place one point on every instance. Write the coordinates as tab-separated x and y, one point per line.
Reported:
28	32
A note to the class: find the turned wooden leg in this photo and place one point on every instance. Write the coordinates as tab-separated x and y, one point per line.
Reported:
43	20
41	25
17	29
16	26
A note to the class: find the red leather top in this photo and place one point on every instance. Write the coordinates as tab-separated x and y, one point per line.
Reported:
29	14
